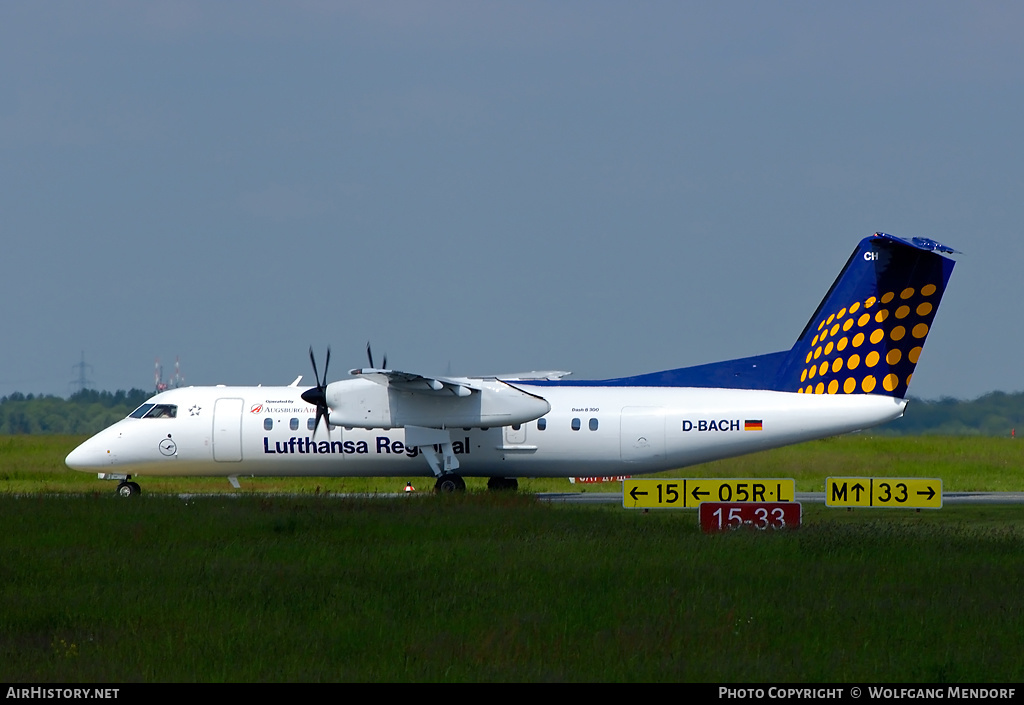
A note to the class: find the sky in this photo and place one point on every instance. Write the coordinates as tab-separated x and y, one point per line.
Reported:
609	188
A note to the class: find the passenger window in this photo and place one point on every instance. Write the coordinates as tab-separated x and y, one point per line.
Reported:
311	424
575	424
593	424
542	424
294	424
268	424
516	426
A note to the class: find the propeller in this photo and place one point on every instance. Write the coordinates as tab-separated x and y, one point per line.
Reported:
318	395
369	356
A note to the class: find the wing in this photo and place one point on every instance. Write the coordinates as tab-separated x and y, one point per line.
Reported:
403	399
411	382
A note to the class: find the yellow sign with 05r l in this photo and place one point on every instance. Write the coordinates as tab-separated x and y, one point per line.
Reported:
688	493
912	492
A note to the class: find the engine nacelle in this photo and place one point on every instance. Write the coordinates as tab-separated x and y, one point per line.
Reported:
362	403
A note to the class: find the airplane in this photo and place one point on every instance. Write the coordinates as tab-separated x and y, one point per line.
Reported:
849	370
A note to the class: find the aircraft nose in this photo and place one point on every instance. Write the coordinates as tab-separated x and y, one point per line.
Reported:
87	457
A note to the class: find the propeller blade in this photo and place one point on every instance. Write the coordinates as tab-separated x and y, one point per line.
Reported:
318	395
369	358
321	414
312	358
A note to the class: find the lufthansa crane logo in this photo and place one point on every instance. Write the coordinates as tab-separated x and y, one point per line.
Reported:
168	447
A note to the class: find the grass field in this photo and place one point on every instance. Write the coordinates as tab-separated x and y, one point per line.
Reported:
504	588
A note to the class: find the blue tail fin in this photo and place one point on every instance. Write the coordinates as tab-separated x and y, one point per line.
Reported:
865	337
867	334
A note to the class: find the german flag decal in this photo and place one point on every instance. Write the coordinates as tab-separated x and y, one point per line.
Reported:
752	425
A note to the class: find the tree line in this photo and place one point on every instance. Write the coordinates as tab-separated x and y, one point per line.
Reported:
993	414
84	412
90	411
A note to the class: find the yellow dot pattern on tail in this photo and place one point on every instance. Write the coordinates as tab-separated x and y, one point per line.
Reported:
870	345
867	334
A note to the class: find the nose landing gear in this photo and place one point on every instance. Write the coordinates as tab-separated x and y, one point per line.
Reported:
128	489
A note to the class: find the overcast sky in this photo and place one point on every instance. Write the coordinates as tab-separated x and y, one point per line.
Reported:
485	187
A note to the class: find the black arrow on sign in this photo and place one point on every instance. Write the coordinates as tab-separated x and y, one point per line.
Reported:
696	494
858	488
930	492
633	493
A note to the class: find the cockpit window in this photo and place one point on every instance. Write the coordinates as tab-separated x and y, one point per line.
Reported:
159	411
141	411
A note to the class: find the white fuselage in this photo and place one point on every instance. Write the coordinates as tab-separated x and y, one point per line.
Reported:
589	431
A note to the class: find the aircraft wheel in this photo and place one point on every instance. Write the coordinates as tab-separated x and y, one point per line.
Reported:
129	489
448	483
497	484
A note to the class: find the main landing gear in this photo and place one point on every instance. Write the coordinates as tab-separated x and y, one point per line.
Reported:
449	482
129	489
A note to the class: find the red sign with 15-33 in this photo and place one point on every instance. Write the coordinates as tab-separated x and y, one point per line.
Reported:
727	516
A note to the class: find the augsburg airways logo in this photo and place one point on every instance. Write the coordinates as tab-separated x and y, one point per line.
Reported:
267	408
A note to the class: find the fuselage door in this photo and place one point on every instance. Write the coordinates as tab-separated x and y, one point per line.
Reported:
227	430
515	434
642	434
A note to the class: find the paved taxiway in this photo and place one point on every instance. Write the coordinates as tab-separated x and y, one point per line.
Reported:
595	497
